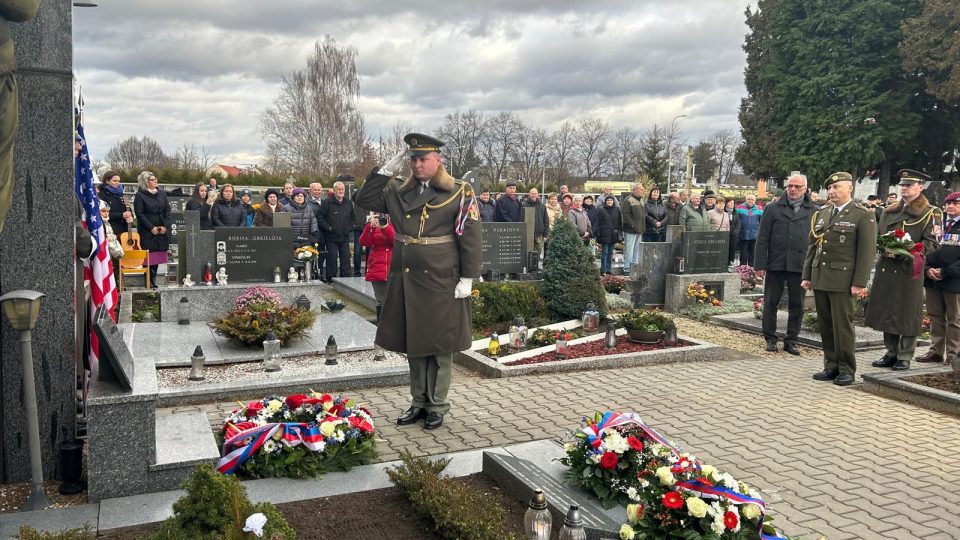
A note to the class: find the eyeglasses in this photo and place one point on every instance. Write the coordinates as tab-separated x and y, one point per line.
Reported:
789	186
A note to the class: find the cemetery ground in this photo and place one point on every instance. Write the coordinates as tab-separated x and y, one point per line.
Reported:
830	461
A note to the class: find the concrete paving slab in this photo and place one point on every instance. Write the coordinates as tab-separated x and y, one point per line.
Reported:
357	289
136	510
185	437
51	520
866	337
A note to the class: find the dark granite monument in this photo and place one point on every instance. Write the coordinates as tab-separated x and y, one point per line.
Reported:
36	246
504	247
116	362
251	254
703	252
647	282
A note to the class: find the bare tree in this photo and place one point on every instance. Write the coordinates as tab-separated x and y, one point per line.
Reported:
561	151
623	154
314	125
530	153
500	135
461	132
724	143
592	146
133	153
191	158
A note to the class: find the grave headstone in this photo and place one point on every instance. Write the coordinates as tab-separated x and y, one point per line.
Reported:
647	283
116	362
197	247
251	254
704	252
504	247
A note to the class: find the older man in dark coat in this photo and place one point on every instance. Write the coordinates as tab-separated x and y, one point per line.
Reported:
781	248
436	257
941	285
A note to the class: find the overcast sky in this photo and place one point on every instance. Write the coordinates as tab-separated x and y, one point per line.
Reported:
200	71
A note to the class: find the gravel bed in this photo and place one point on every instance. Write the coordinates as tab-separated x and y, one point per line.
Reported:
737	340
309	366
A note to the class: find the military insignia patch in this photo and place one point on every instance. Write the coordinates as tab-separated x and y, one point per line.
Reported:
474	211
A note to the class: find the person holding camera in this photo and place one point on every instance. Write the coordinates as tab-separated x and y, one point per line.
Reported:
378	235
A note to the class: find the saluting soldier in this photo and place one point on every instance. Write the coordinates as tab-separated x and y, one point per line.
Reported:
436	257
897	307
842	243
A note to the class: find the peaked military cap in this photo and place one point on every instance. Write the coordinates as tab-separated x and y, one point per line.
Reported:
910	176
421	144
838	177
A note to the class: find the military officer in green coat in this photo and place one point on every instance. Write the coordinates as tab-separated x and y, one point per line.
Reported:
842	243
436	257
896	307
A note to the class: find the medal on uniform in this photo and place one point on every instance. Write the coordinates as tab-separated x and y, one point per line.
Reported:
843	239
820	223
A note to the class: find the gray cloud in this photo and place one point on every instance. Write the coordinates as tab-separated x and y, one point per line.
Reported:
200	72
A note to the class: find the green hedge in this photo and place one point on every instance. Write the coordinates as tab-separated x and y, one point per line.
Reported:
500	302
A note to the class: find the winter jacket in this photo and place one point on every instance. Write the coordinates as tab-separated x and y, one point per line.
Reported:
380	242
591	211
508	210
656	211
749	221
694	219
264	215
580	220
117	207
540	226
228	213
487	210
608	229
554	213
782	238
152	210
947	258
634	214
719	220
673	214
248	208
336	220
303	222
204	209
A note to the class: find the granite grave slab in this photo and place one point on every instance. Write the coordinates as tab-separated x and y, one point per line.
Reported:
504	247
676	292
210	302
867	338
357	289
252	255
648	276
704	252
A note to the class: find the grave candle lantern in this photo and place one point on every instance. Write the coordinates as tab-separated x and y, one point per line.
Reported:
561	345
207	276
271	352
537	520
494	347
591	318
573	526
198	366
610	340
331	351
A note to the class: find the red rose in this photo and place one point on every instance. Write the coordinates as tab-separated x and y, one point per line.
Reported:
672	500
326	397
731	519
635	443
360	424
297	400
918	247
608	460
253	408
233	429
899	233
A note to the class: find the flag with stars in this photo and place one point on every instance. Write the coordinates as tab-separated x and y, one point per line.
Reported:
97	268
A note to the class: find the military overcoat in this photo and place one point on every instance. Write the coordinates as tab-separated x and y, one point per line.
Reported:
420	316
896	299
841	248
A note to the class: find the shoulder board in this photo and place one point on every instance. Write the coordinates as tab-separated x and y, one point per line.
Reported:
862	207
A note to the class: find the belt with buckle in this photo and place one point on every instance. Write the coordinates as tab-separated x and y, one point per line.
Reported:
424	240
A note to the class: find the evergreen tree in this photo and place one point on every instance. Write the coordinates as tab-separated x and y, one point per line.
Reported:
652	160
570	277
761	135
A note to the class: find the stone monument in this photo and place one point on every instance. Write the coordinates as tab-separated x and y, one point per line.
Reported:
36	246
700	257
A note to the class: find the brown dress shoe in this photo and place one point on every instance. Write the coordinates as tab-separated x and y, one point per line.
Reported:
930	357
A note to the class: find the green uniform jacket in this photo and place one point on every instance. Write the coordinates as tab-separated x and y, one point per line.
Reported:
420	316
840	251
896	299
634	214
694	219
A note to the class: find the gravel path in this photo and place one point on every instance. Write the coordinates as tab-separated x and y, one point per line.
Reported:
736	340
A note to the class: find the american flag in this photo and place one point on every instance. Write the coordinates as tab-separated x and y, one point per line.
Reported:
98	269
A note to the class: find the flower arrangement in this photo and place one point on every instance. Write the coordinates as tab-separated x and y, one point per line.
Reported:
698	292
645	320
305	253
897	243
259	311
298	436
758	308
748	277
613	284
541	337
334	305
667	493
811	321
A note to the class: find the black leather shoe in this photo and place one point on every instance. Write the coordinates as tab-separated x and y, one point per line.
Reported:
885	361
901	366
843	379
411	415
433	421
826	375
791	348
771	346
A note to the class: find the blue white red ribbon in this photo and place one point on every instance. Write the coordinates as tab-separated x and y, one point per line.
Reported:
248	441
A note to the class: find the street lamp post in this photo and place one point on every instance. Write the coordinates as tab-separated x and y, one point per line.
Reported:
670	148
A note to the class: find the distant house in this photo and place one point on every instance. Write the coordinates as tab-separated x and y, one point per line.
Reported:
223	171
741	181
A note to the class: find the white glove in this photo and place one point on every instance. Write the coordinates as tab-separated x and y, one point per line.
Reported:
392	167
464	288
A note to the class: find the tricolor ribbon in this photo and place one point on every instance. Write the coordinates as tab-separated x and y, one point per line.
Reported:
239	447
733	497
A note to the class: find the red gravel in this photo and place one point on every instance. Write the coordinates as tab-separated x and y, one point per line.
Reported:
594	348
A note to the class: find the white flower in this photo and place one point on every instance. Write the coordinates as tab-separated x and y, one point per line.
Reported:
568	447
268	447
339	436
615	443
906	237
708	470
287	415
633	494
717	525
255	524
320	417
665	476
644	483
729	481
715	510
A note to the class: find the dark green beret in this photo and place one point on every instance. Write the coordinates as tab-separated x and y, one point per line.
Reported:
421	144
838	177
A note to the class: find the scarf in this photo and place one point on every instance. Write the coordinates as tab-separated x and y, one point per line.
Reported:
115	190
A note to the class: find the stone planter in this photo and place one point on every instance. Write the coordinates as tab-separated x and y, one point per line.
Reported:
647	338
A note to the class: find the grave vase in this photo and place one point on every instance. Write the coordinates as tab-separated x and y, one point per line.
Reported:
308	272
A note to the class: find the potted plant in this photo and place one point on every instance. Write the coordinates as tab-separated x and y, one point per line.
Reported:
644	325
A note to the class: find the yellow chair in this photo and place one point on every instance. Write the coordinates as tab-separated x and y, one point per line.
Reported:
134	261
